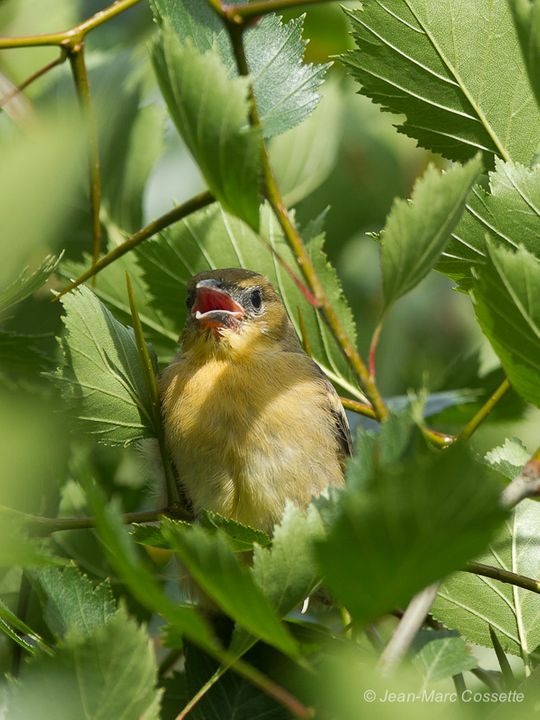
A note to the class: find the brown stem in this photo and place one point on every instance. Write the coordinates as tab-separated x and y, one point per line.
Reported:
39	73
295	241
504	576
181	211
45	526
240	13
80	76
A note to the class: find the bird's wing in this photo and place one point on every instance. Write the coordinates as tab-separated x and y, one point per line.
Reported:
343	432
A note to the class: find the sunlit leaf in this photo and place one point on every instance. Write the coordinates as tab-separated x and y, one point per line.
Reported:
509	210
470	603
211	113
101	374
285	87
506	298
416	231
447	67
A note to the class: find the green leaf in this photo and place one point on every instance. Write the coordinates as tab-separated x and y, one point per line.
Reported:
110	287
101	374
242	699
28	282
19	631
111	673
33	191
17	549
122	554
287	572
211	238
509	458
74	605
285	88
509	212
441	654
303	158
416	233
133	146
527	19
241	538
22	360
470	603
506	299
216	569
211	113
447	67
401	500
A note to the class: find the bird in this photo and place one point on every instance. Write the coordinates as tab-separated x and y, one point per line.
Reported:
250	420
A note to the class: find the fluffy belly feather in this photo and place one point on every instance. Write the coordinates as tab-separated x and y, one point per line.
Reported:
247	436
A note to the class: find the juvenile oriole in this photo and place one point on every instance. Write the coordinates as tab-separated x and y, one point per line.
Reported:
250	420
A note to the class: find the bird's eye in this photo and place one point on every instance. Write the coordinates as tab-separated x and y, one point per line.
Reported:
190	299
256	299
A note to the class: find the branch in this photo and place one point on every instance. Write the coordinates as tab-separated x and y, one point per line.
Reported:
412	620
45	525
484	411
292	236
240	13
525	485
80	76
180	211
504	576
39	73
72	37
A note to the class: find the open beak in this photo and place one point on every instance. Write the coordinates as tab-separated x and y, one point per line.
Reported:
215	308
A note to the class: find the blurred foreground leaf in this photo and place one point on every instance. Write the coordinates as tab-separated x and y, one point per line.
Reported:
27	282
441	654
400	500
110	673
219	573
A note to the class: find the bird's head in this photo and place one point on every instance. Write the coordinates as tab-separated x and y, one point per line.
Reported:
233	309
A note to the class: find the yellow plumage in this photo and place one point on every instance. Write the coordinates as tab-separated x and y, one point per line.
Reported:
250	420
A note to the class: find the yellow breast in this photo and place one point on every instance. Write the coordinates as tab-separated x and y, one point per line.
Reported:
247	435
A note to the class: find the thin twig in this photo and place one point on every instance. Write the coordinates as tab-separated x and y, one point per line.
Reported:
72	36
181	211
173	495
504	576
80	76
39	73
293	237
358	407
484	411
525	485
411	622
240	13
45	525
373	350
